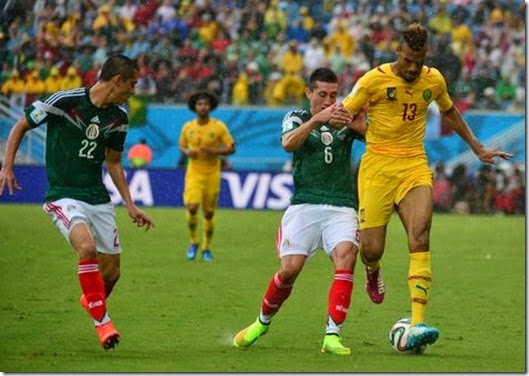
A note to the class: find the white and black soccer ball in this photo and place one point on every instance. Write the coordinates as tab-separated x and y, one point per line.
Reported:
398	337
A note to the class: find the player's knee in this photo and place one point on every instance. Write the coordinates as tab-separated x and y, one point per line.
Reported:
289	274
192	210
86	250
344	258
372	250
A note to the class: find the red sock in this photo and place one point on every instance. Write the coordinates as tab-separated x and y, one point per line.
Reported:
275	295
93	288
340	295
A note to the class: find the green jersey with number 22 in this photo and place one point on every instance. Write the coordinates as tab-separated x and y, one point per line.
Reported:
78	134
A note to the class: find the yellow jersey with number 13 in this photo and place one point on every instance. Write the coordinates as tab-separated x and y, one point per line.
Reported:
397	109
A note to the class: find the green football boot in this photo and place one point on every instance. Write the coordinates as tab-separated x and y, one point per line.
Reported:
250	334
332	344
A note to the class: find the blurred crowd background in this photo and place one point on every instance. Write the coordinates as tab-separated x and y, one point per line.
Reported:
255	52
258	52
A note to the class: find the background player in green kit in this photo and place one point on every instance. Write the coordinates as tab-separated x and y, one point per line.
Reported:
322	210
85	127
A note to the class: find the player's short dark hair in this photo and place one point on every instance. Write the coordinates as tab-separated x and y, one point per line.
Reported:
415	36
322	75
118	64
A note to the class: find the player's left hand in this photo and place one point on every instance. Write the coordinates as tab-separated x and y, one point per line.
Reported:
488	155
140	218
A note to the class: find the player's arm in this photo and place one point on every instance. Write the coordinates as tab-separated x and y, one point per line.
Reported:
293	139
359	122
459	125
117	174
7	175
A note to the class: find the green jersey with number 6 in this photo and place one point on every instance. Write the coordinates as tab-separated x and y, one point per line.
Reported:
322	167
77	136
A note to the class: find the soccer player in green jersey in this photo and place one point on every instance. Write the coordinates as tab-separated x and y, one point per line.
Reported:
85	127
394	171
322	209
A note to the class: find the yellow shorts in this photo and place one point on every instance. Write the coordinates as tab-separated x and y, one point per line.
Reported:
384	181
202	189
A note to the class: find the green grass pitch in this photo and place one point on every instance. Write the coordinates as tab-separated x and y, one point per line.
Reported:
180	316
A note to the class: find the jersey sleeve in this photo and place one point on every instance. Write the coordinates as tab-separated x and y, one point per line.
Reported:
443	100
226	137
36	114
358	96
291	121
116	141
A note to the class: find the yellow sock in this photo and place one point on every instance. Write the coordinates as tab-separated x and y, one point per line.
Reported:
419	282
192	221
209	227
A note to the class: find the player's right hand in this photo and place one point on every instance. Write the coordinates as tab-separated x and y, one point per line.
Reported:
7	178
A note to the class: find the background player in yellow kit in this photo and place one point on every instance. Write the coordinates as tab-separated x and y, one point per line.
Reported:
203	141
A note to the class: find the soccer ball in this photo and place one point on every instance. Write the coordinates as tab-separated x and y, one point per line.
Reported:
398	336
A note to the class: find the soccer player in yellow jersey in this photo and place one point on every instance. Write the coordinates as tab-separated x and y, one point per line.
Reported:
203	141
394	170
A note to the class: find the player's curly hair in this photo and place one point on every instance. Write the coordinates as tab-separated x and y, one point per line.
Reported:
415	36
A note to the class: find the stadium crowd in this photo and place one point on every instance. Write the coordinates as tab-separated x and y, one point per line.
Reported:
492	189
254	52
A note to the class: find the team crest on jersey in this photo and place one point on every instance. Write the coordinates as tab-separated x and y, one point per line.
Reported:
427	95
326	138
92	132
362	215
391	93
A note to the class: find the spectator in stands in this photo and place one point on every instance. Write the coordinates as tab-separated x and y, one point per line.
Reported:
139	45
337	59
14	84
442	190
163	76
239	92
342	38
485	190
54	81
146	86
313	57
140	155
105	21
72	79
505	92
441	22
34	86
461	190
488	101
485	36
